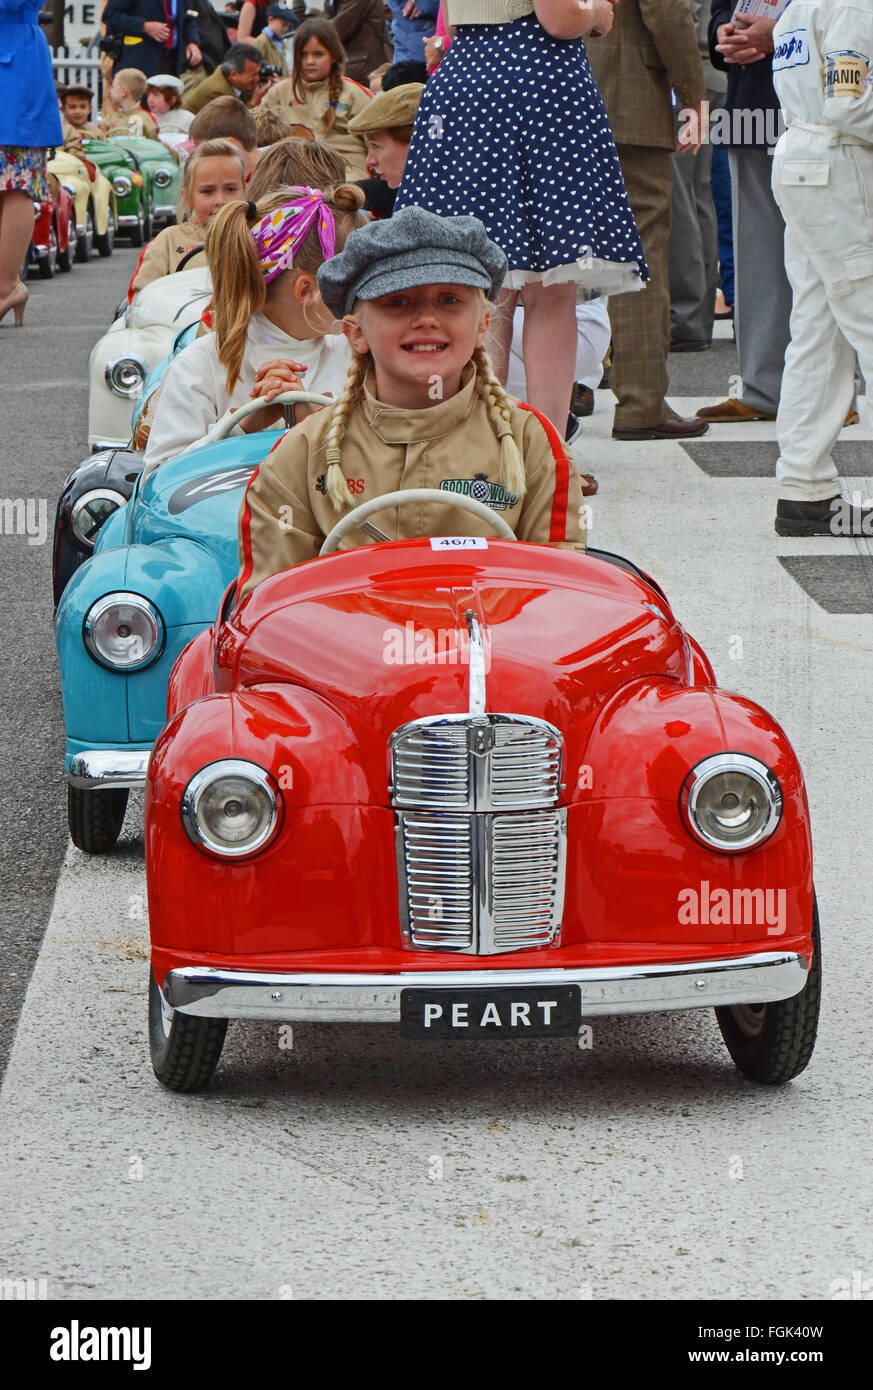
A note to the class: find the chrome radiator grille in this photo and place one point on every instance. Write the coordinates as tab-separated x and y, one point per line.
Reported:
495	762
437	868
481	847
431	768
526	854
525	766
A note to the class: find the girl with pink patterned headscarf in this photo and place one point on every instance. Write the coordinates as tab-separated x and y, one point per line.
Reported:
271	328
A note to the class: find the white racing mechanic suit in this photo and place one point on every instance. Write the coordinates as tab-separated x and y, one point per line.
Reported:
823	183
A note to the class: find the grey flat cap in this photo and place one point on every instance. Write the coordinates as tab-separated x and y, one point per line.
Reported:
414	247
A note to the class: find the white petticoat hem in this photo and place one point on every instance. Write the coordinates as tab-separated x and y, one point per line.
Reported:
592	277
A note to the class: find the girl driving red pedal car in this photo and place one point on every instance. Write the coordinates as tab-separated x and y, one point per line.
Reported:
421	408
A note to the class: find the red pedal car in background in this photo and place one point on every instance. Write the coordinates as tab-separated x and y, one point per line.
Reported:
54	230
477	788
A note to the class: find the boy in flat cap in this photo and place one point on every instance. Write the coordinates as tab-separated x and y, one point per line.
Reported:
76	121
421	408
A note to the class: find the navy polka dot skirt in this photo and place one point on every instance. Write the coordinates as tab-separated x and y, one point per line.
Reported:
512	129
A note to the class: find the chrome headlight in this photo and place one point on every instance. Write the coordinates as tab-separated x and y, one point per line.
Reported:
162	178
123	631
731	802
125	376
232	808
71	188
121	186
91	510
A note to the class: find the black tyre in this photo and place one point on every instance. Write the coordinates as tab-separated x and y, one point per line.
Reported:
48	263
85	243
106	242
184	1050
66	258
95	818
771	1043
137	233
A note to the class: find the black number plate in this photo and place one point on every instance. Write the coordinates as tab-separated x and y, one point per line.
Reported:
491	1013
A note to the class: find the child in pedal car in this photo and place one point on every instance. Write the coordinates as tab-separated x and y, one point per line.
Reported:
421	408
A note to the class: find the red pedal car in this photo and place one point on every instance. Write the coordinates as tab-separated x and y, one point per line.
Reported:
54	231
480	789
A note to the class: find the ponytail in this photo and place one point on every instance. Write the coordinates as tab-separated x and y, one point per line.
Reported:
237	282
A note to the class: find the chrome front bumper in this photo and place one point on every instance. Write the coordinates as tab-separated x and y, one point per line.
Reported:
100	444
109	768
348	998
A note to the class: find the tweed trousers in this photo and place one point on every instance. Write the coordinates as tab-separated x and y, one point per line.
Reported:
641	322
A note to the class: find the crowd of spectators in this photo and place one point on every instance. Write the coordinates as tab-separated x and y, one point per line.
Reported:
554	122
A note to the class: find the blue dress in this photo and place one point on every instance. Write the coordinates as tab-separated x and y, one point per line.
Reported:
512	129
29	115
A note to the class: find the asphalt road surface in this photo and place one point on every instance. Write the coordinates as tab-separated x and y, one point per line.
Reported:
355	1164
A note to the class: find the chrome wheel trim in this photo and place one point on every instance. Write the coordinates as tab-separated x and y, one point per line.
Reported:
168	1013
750	1018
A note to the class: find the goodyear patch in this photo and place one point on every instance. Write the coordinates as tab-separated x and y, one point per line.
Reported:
791	51
845	74
478	487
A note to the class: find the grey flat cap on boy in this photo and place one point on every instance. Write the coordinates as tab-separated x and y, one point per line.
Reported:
414	247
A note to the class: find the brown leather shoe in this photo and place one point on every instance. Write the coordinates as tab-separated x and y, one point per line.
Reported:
732	412
851	419
674	427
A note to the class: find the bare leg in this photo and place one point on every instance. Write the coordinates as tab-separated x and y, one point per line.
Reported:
550	348
16	229
499	338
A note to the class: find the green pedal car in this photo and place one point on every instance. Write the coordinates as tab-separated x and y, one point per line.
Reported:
146	178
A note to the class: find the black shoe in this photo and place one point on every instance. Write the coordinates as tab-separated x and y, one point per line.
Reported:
582	403
573	430
689	345
834	516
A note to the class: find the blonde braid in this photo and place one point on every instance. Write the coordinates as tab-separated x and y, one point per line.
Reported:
337	487
511	471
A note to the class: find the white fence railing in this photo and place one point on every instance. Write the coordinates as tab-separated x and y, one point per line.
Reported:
75	68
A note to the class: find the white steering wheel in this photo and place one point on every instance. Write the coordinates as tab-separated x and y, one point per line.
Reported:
283	398
408	496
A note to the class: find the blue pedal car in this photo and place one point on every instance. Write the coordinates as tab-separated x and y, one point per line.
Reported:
160	566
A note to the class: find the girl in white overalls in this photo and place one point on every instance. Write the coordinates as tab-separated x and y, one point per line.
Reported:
823	183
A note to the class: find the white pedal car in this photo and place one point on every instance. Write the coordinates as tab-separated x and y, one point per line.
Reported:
137	340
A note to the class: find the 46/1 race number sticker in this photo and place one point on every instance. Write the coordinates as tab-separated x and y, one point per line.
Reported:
458	543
